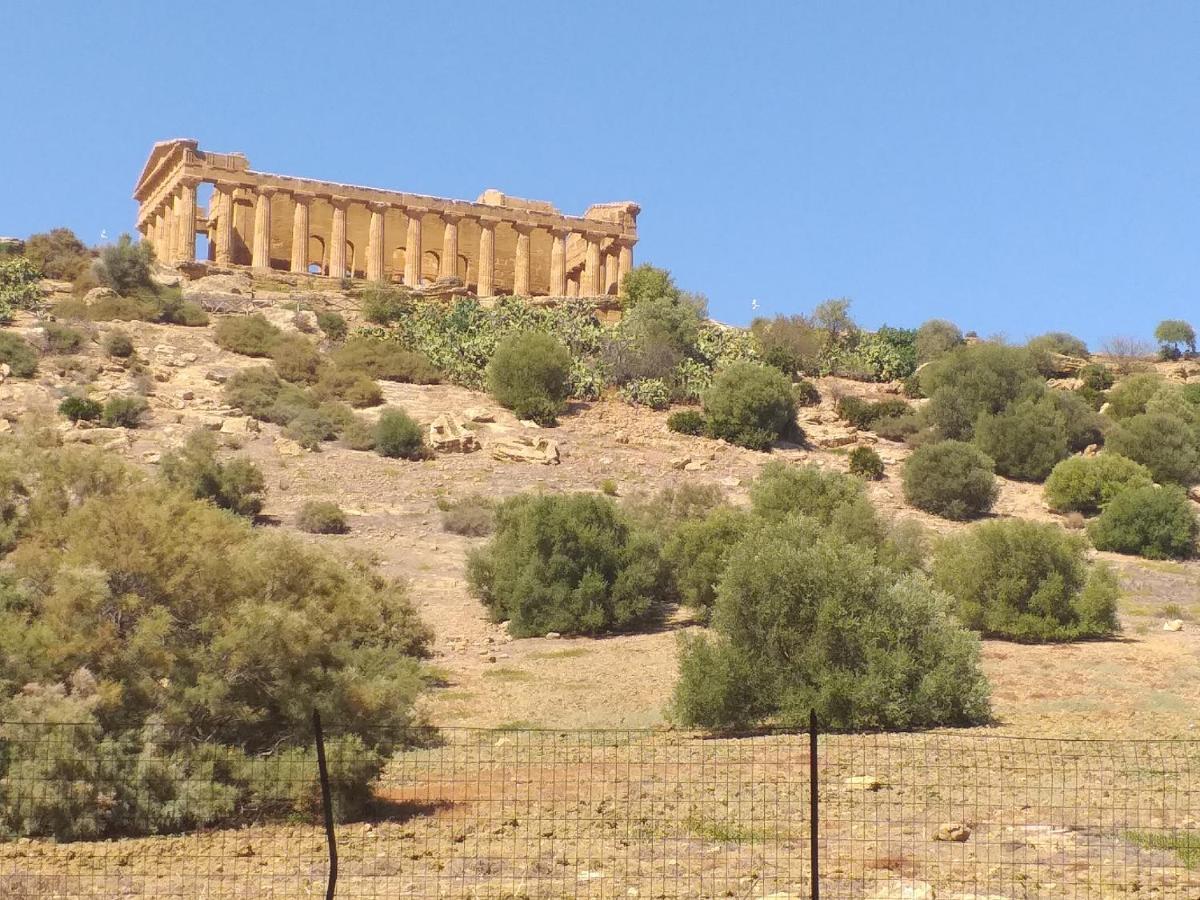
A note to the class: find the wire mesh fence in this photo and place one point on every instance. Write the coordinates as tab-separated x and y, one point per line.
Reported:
486	813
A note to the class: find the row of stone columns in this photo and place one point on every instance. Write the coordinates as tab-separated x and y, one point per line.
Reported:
173	234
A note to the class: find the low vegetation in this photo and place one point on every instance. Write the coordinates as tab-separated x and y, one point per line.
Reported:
951	479
1154	522
750	405
1086	484
237	485
399	437
322	517
530	374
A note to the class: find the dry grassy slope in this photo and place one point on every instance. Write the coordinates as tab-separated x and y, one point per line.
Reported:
1145	684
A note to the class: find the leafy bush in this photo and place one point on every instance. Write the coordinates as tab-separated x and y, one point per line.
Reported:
471	516
646	282
805	393
354	386
789	343
383	303
865	463
654	336
950	479
248	335
118	344
124	411
310	427
359	434
1130	396
1026	581
296	359
1083	425
1097	376
688	421
62	338
1174	336
652	393
697	551
750	405
1087	484
21	358
237	485
568	563
672	506
888	354
805	621
58	254
1025	439
397	436
332	324
1154	522
385	359
975	379
80	408
866	414
935	338
322	517
254	390
529	374
1045	350
125	266
835	501
1164	444
18	287
177	311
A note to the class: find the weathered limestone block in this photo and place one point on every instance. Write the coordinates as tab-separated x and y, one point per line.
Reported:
524	449
954	832
449	436
239	425
96	294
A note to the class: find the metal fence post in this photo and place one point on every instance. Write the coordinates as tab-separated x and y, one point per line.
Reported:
327	804
813	807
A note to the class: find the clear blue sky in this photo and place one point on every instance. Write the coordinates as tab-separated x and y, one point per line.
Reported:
1015	166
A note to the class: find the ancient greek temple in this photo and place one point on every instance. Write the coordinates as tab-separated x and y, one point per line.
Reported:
494	245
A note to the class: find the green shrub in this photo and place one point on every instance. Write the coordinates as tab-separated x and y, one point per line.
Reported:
124	411
529	373
805	393
1130	396
687	421
58	254
975	379
950	479
18	287
1083	425
645	282
1164	444
118	344
1026	581
898	428
80	408
109	309
62	338
1097	376
1045	350
385	359
696	554
789	343
835	501
1175	336
1025	439
248	335
125	266
177	311
935	338
672	506
332	324
471	516
310	427
296	359
653	337
237	485
359	434
750	405
865	463
1154	522
21	358
1086	484
867	415
254	391
383	303
568	563
397	436
804	621
355	387
322	517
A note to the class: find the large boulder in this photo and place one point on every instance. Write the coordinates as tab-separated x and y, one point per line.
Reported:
448	436
524	449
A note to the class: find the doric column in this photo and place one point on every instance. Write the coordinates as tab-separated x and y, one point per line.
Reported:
590	287
450	245
261	256
176	216
612	270
300	218
558	262
624	261
487	258
573	285
521	263
375	242
337	238
223	200
412	249
187	219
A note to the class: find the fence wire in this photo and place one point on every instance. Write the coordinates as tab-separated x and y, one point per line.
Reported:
541	814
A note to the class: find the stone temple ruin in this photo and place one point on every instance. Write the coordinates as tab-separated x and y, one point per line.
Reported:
494	245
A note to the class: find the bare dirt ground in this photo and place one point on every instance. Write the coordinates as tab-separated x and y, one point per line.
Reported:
1145	684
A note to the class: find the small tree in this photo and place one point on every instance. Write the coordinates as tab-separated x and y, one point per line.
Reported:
935	338
1025	440
750	405
125	266
866	463
645	282
58	254
1163	443
530	374
975	379
18	287
1026	581
950	479
1174	336
237	485
1086	484
835	501
1130	396
789	343
322	517
569	563
697	552
1154	522
399	437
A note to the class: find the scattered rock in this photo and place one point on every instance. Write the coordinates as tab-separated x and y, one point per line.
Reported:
838	440
552	635
448	436
955	832
529	423
220	375
1091	449
681	462
1173	625
285	447
96	294
478	414
108	438
524	449
241	425
863	783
